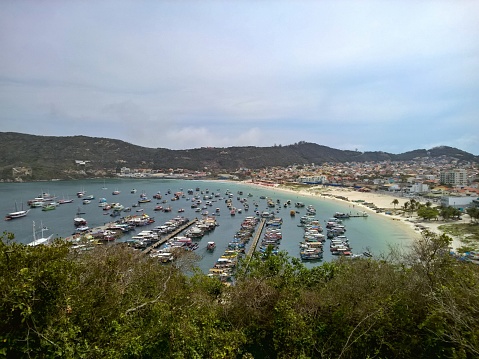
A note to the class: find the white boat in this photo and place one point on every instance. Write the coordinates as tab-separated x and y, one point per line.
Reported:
79	221
16	214
211	246
42	240
82	229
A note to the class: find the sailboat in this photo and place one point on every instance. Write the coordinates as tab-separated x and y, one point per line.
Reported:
104	185
17	213
42	240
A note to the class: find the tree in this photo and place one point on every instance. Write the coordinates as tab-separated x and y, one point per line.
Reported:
473	212
395	202
427	213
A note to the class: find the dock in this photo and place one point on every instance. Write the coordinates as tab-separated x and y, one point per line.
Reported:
256	238
170	235
358	215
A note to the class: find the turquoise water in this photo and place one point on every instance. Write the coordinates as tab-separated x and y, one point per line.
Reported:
373	233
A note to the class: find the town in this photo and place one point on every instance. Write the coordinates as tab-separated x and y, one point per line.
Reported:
444	181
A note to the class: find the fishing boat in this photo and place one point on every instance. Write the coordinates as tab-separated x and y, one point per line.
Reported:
65	201
41	240
211	246
341	215
49	207
79	221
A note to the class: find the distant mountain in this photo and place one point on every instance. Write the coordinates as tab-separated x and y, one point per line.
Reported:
54	157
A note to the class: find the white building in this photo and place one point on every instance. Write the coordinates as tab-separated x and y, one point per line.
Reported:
419	188
313	179
456	177
457	202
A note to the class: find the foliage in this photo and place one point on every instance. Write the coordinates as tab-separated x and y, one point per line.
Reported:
112	302
428	213
54	157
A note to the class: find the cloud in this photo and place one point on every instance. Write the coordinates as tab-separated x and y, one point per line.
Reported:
372	75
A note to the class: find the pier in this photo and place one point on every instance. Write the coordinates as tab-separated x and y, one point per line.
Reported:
256	237
169	236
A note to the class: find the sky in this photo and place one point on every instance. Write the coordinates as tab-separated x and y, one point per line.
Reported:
389	76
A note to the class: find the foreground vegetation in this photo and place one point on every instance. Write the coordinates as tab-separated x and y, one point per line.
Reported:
112	302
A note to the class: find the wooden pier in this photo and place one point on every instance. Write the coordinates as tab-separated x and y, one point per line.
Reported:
169	236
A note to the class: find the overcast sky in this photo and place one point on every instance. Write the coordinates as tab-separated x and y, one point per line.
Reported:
369	75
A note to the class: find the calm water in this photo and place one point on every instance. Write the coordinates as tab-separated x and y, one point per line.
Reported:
374	232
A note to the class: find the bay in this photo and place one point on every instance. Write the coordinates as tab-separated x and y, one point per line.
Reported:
374	233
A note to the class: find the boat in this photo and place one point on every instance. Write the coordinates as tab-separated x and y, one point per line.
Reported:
49	207
36	204
133	190
79	221
82	229
115	192
65	201
341	215
211	246
42	240
16	214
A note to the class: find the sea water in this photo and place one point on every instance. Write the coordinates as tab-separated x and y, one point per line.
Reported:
374	233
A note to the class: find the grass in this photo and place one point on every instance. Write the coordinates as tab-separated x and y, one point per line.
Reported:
467	232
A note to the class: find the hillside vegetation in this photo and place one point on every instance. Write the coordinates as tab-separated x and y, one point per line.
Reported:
112	302
54	157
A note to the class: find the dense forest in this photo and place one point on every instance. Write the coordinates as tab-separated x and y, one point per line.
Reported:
112	302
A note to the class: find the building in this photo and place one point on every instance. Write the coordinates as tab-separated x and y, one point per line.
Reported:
455	177
313	180
419	188
457	202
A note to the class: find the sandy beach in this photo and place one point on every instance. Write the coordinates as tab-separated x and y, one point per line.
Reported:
368	202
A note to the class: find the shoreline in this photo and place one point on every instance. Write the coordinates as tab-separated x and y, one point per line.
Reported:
410	225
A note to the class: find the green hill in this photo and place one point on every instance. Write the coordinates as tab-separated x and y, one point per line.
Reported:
54	157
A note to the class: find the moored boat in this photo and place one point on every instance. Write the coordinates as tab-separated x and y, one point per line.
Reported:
42	240
48	207
211	246
79	221
16	214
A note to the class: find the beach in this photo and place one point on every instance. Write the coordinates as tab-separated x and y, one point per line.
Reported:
367	202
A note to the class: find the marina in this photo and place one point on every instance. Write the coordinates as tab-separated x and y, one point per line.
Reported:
185	198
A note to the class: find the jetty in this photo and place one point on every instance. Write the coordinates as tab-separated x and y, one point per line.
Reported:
358	215
256	237
170	235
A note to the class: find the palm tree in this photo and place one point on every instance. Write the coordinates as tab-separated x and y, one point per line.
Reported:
395	202
406	207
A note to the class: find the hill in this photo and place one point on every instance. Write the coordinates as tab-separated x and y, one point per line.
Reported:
54	157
